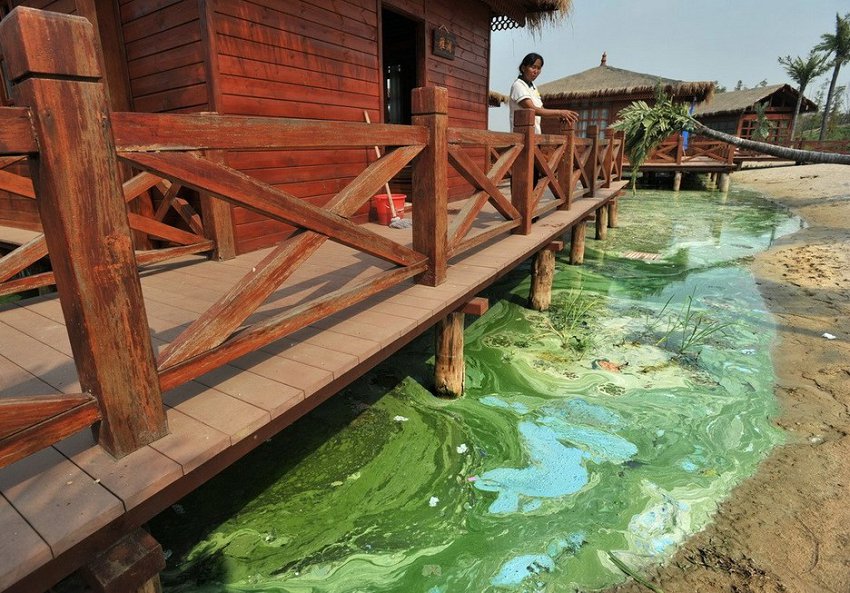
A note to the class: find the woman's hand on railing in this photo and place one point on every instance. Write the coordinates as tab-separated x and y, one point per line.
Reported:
567	116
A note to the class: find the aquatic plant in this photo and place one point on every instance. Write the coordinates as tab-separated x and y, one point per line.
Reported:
568	316
688	329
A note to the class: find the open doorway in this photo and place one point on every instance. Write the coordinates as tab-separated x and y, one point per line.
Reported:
401	57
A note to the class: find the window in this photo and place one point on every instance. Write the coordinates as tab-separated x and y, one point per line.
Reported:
592	115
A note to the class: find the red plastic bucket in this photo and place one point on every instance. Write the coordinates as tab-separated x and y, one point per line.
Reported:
381	205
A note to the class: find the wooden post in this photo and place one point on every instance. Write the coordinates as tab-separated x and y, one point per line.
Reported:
430	183
542	275
612	213
677	180
601	223
593	161
577	239
449	365
522	172
132	565
609	157
724	182
52	63
680	149
565	168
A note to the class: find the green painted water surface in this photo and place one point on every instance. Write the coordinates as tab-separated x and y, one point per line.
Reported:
614	424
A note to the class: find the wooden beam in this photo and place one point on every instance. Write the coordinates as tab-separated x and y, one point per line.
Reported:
449	364
477	306
30	424
128	566
53	62
16	133
430	183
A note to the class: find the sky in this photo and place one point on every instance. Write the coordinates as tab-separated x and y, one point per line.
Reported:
722	40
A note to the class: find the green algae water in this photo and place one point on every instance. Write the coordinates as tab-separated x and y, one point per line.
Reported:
610	426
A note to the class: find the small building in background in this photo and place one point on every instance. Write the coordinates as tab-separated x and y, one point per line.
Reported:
734	112
598	94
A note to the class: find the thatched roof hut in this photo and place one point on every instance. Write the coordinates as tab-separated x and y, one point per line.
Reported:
744	100
598	94
607	81
734	112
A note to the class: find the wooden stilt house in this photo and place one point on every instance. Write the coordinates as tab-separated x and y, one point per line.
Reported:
734	112
313	59
598	94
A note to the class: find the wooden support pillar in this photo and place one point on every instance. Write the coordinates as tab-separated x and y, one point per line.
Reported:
542	275
449	364
601	223
612	213
522	172
724	182
577	239
430	183
677	180
52	62
131	565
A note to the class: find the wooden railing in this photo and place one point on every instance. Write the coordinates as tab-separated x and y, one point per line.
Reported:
88	229
672	151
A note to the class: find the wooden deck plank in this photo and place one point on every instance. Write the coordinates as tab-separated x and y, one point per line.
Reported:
60	501
51	366
18	382
269	395
133	479
22	550
216	409
190	443
306	378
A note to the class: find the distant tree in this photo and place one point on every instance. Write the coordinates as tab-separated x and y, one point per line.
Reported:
761	131
740	86
762	83
719	88
803	71
838	46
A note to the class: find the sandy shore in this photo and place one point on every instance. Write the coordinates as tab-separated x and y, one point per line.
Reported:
787	529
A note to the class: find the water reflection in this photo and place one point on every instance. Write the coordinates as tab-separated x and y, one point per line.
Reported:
613	424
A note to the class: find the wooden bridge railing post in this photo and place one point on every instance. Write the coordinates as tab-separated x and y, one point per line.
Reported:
621	153
609	157
522	173
565	166
593	161
680	149
53	64
430	183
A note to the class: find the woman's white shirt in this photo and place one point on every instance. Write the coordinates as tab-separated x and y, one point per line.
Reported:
522	90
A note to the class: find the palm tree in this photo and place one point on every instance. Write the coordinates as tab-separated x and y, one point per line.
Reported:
803	71
645	127
838	46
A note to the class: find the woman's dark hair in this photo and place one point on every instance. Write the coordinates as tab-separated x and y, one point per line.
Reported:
529	60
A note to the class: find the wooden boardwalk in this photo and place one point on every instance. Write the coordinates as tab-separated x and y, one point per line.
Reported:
64	503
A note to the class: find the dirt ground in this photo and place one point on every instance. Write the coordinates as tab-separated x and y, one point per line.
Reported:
787	528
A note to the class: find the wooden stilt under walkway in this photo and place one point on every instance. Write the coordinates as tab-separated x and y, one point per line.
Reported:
65	502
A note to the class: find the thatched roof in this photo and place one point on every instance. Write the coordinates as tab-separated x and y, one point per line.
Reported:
605	80
740	101
510	14
495	99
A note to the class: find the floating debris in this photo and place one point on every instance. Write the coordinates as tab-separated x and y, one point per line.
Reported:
401	419
433	501
828	336
642	255
607	365
462	448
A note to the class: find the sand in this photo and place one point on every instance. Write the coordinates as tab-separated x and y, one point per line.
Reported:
787	528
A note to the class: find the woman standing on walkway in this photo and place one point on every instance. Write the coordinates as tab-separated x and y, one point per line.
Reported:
524	94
